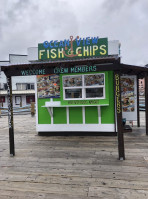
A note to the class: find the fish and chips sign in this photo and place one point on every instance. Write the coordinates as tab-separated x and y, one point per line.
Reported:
73	48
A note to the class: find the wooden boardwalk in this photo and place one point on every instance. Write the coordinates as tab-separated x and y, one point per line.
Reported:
71	167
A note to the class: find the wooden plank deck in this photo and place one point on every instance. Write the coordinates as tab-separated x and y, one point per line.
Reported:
71	167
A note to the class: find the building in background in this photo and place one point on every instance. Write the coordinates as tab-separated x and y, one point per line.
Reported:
23	89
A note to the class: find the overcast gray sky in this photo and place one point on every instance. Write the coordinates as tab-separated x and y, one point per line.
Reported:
25	23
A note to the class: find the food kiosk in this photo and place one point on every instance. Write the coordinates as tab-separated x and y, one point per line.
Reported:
78	97
81	87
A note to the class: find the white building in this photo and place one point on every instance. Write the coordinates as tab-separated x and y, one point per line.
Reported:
22	87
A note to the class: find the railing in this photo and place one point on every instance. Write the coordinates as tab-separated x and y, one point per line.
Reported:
142	107
19	110
142	103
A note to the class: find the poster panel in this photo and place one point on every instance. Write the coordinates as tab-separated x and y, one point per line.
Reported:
72	81
129	97
94	80
48	86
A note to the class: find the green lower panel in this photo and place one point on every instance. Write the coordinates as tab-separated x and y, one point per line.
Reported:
107	112
43	115
91	115
107	115
59	116
75	115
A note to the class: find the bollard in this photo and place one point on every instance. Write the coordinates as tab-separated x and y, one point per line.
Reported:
0	110
32	109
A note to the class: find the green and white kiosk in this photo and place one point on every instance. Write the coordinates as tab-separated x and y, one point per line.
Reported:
81	86
76	102
77	97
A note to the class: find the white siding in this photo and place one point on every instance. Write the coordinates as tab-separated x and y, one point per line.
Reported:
3	78
32	53
2	75
24	79
113	47
18	59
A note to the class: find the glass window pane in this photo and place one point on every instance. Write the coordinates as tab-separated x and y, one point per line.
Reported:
73	93
28	86
32	86
24	87
18	87
94	92
72	81
94	80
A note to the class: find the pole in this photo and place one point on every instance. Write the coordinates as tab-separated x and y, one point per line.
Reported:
146	102
10	116
119	116
138	113
32	109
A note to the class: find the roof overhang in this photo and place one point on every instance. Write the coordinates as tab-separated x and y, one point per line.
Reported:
109	63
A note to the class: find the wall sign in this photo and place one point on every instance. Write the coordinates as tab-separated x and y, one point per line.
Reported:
48	86
73	49
75	69
59	70
33	72
117	79
83	102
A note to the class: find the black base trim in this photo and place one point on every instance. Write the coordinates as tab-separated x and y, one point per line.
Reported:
75	133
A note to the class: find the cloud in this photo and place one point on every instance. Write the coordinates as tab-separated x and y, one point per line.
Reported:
29	23
26	23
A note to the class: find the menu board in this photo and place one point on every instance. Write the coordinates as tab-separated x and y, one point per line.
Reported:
94	80
48	86
89	80
127	94
72	81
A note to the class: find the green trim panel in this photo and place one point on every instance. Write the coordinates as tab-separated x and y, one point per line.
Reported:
91	115
59	115
43	115
107	112
75	115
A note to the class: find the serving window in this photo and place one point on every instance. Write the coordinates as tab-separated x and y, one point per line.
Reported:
90	86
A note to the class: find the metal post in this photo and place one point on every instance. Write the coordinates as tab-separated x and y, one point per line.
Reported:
32	109
138	113
146	102
119	116
10	117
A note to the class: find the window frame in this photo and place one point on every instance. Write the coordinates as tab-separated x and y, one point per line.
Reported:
83	87
29	86
2	99
20	97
